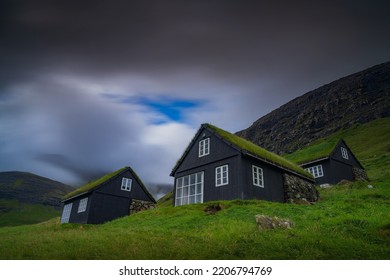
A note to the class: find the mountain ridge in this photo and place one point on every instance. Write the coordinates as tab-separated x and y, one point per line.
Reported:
357	98
31	188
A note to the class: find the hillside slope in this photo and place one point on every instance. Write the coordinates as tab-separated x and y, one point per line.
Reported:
30	188
350	221
357	98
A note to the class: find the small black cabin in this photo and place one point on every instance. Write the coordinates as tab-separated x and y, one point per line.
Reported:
105	199
218	165
330	162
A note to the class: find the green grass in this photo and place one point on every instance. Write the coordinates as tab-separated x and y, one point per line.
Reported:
370	142
15	213
350	221
343	225
93	184
260	152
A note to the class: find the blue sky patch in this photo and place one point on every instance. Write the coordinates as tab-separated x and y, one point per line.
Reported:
172	109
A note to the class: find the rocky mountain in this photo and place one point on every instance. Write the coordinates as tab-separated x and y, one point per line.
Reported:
30	188
357	98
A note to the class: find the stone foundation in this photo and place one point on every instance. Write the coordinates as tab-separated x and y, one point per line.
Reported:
140	205
297	190
359	174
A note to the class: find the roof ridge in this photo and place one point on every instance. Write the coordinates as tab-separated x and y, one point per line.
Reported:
248	146
95	183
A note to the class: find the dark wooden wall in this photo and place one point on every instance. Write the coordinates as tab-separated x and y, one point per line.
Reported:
218	151
240	172
108	201
273	181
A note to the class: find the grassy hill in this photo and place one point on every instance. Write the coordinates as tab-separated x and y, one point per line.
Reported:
26	198
357	98
350	221
32	189
15	213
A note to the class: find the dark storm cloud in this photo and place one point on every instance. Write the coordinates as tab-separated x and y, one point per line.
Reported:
64	63
230	39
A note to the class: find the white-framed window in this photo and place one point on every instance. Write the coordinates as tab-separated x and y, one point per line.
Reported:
189	189
82	205
344	153
66	213
204	147
316	171
126	184
221	175
257	176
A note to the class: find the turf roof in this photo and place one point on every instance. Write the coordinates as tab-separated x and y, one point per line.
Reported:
244	144
91	185
320	149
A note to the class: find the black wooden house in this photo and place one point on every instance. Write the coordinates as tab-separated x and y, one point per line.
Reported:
330	162
105	199
218	165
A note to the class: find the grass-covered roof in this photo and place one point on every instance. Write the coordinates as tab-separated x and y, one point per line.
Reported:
319	149
252	148
91	185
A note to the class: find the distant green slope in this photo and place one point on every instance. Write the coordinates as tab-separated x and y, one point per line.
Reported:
350	221
15	213
370	142
31	188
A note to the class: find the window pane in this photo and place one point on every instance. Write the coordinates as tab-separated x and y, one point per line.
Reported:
179	192
185	191
192	179
199	177
198	188
186	181
189	189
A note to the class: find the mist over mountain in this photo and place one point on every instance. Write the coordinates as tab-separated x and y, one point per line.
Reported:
355	99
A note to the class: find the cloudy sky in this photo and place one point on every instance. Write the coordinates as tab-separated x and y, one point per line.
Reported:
87	87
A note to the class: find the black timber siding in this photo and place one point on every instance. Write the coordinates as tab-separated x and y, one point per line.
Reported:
327	170
108	201
340	171
79	218
219	150
211	192
107	207
334	171
113	187
273	181
336	155
240	172
233	190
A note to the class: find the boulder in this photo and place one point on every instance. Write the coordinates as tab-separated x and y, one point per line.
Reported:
267	222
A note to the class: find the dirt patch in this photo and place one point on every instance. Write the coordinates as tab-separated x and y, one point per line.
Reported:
213	209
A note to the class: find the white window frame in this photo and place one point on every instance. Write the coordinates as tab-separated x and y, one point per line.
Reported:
204	147
222	175
257	176
189	189
317	171
126	184
82	205
344	153
66	213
